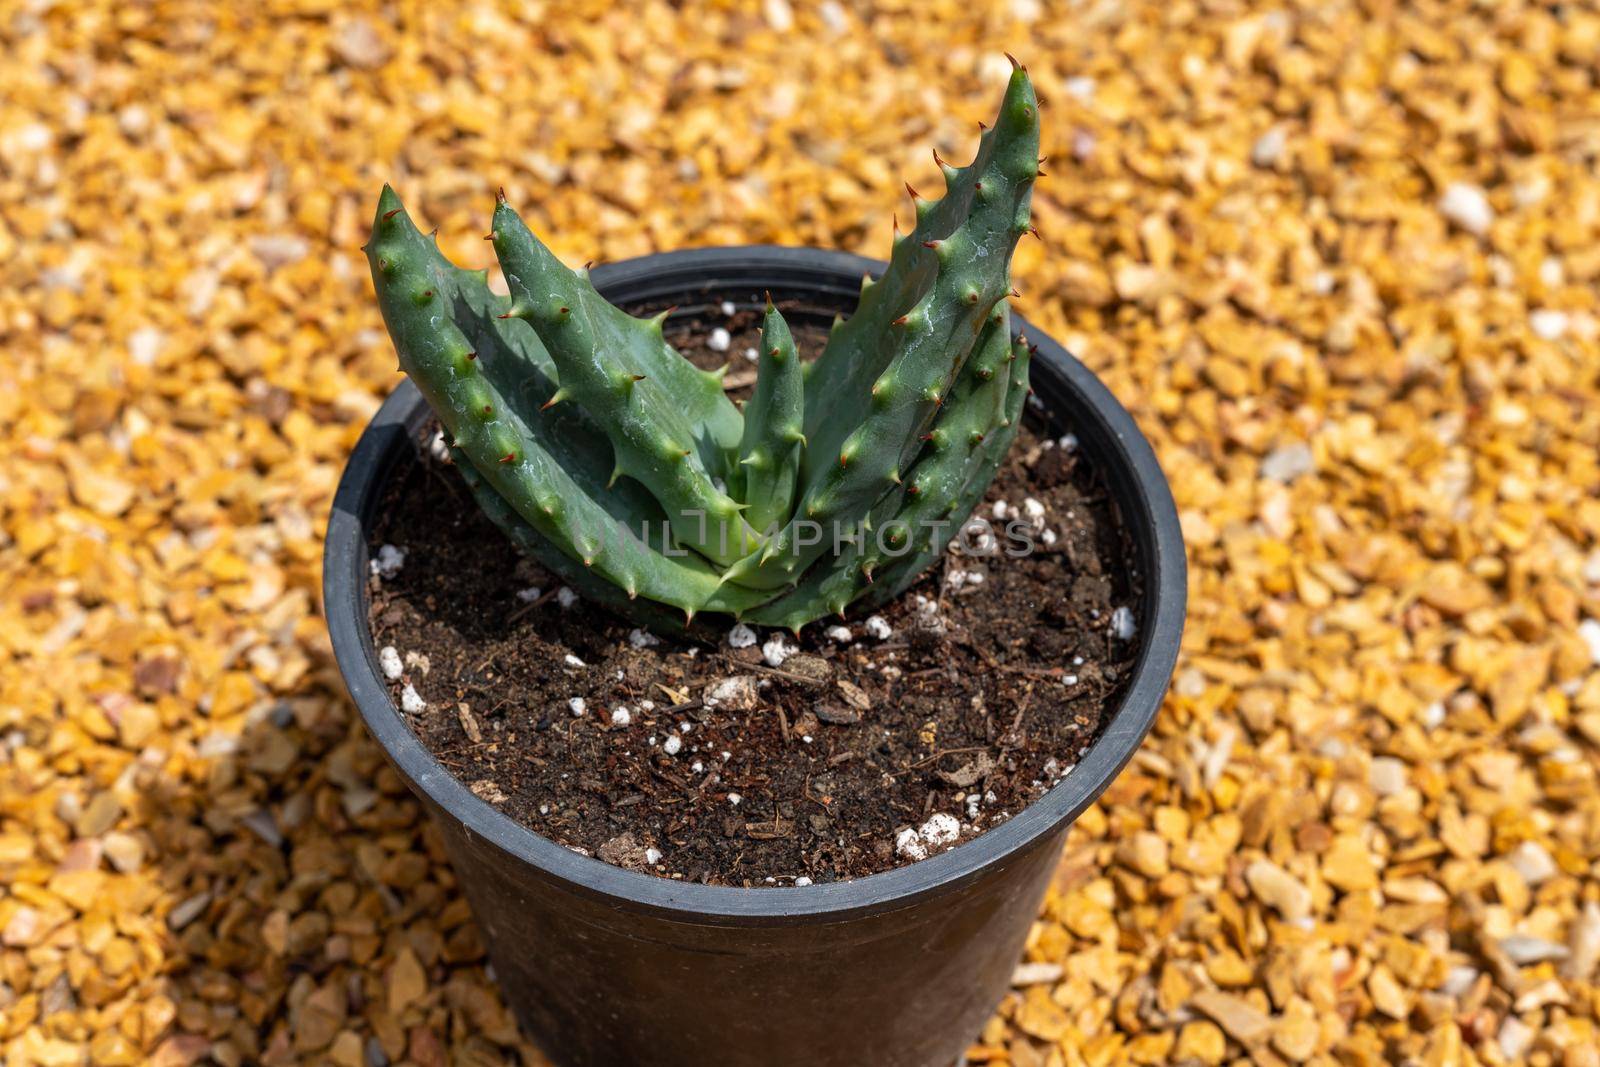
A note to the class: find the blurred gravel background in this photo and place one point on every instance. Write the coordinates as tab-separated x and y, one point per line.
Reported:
1340	259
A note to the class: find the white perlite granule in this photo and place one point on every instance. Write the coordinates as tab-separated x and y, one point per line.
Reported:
879	628
839	634
741	636
672	745
621	716
776	650
572	661
937	832
578	705
566	597
389	561
1123	626
410	702
643	639
719	340
389	662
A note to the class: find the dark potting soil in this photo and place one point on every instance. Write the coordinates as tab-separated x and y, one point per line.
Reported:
937	717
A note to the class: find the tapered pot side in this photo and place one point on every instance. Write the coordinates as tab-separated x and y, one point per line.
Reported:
606	966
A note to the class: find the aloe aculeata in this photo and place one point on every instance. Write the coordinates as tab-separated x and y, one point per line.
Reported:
625	469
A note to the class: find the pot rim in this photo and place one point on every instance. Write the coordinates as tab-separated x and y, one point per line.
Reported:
1107	432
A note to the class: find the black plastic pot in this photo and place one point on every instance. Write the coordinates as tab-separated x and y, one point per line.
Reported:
606	967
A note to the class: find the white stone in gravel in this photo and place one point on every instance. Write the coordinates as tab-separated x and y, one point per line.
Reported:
572	661
728	307
1549	324
752	355
802	881
1079	87
643	639
1468	207
144	345
1514	1038
1458	981
1269	147
530	594
1531	860
719	340
566	597
389	561
776	650
578	705
672	745
1387	776
1067	442
741	636
878	627
1048	537
652	856
734	798
411	702
839	634
621	716
1523	950
1584	944
1027	974
1288	463
1001	509
389	662
1589	630
1123	626
1033	510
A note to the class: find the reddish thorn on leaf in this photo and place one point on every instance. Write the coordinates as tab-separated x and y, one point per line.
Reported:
563	311
507	315
387	215
639	377
472	355
500	194
1014	64
1015	295
984	126
1034	232
896	220
492	235
912	191
930	244
509	457
901	321
936	158
548	404
914	489
588	264
488	409
926	437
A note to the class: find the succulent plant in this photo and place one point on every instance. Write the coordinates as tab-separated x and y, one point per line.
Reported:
627	470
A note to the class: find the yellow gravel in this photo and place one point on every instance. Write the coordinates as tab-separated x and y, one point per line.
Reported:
1340	259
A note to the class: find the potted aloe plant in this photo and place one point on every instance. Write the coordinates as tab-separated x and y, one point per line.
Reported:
607	849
